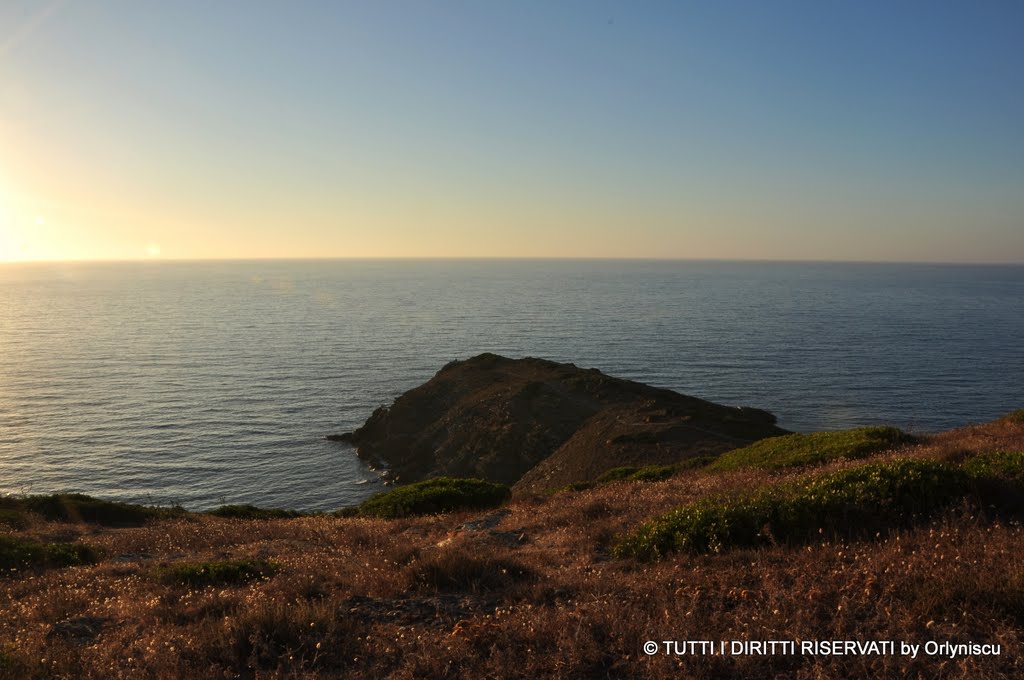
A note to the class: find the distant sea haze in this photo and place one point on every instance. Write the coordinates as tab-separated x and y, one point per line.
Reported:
209	383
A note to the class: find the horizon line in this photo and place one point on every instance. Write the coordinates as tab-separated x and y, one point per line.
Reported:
469	258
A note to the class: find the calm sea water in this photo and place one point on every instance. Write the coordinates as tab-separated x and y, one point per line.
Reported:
209	383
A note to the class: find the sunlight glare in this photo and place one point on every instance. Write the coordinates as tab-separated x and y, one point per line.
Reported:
7	246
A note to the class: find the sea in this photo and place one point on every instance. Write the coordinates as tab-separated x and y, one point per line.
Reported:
207	383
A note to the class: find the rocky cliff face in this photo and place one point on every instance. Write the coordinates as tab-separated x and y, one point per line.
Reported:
539	424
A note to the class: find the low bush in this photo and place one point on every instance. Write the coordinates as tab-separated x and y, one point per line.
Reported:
77	507
575	486
18	554
695	462
649	473
13	519
253	512
859	500
228	572
812	449
1001	465
433	496
999	481
456	571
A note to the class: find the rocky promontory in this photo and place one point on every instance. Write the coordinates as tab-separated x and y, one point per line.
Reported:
538	425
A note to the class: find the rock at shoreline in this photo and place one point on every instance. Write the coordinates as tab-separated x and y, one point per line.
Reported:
538	424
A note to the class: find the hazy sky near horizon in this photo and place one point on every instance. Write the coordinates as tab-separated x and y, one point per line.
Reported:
767	130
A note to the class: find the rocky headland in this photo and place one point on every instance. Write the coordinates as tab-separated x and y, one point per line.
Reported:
537	425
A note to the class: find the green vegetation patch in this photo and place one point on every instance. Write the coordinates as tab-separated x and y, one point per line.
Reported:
649	473
998	465
253	512
695	462
13	519
18	554
575	486
76	507
812	449
432	496
860	500
999	481
227	572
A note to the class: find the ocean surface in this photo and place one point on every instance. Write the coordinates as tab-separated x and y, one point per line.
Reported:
207	383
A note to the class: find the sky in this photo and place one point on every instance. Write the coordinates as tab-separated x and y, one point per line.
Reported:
812	130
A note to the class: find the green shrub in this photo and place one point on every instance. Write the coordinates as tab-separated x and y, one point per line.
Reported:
859	500
695	462
78	507
433	496
653	473
812	449
999	481
18	554
253	512
13	519
650	473
575	486
998	465
228	572
616	474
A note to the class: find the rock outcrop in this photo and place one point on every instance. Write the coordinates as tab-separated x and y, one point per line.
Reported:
539	424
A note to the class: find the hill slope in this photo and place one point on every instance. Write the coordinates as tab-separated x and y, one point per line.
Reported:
535	589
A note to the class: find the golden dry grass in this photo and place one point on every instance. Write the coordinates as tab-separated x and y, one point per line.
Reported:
535	596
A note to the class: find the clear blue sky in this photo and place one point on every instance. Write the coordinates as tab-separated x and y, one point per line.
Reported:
775	130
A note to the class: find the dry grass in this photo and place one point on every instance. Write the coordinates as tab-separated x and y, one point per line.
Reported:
538	595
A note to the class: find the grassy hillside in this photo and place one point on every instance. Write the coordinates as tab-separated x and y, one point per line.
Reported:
916	544
812	449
